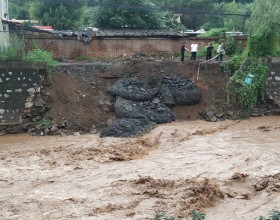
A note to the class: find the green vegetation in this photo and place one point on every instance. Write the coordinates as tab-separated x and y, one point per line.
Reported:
14	51
195	14
202	51
196	215
232	46
244	93
233	64
38	56
127	14
265	28
273	215
62	15
18	9
43	123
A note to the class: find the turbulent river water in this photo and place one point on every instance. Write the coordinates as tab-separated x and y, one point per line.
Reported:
228	170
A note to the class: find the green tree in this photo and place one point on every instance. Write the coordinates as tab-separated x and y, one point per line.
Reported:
194	15
235	22
18	9
193	11
265	17
264	26
127	13
171	21
208	14
59	14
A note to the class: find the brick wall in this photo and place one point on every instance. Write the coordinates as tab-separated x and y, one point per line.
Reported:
19	84
71	47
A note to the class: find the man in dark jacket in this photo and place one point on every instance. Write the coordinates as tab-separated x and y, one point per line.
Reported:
209	48
183	49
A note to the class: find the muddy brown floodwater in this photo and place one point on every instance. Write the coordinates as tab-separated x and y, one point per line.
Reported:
229	170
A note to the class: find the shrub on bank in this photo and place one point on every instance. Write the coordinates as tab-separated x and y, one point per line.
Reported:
14	51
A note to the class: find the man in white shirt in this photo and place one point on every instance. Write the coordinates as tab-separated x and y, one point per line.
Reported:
194	48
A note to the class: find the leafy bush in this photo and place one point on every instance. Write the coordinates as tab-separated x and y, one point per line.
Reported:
260	45
233	64
273	215
245	95
43	123
37	55
264	42
231	46
14	51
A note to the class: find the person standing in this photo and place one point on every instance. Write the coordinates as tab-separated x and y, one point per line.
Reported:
183	49
220	52
209	48
194	48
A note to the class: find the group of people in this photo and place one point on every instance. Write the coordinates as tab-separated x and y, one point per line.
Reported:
209	48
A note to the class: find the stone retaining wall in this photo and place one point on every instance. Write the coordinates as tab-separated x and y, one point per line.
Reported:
19	84
273	79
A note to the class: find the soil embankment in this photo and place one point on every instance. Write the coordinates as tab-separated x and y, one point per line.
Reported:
78	96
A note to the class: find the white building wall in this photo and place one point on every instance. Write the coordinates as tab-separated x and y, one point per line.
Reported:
4	15
4	9
1	25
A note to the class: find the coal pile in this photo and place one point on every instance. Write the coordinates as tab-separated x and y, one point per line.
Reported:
148	99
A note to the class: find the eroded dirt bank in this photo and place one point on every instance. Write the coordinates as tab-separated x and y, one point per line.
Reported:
228	169
78	93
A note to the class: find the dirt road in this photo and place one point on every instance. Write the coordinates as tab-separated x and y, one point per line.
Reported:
229	170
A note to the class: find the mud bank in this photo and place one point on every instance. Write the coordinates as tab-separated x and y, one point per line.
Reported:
79	95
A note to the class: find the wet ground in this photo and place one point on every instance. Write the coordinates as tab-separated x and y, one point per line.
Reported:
229	170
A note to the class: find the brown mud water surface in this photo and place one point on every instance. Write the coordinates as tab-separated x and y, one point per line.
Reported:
228	170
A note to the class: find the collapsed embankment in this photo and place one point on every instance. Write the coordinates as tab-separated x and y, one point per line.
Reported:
79	98
82	97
